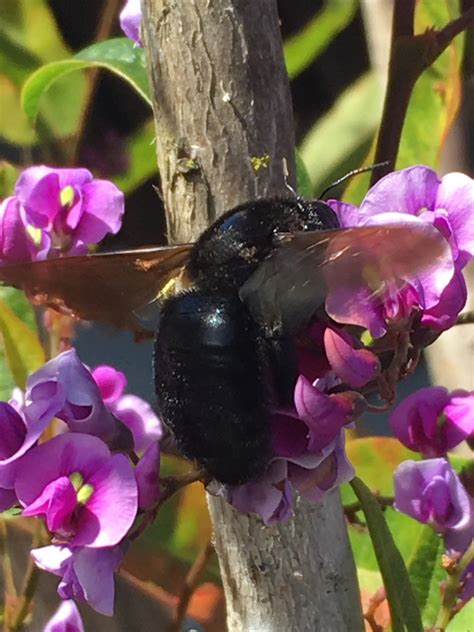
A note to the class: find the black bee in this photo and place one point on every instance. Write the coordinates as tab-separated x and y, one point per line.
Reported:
224	352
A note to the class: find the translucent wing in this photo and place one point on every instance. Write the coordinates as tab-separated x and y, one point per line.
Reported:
288	287
108	287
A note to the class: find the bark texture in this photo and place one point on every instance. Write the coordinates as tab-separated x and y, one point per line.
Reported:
224	123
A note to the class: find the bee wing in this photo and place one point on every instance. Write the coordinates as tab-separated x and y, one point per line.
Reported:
288	287
108	287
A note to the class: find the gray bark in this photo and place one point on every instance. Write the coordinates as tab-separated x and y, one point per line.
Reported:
221	105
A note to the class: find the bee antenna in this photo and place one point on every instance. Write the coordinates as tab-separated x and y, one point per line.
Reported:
354	172
286	175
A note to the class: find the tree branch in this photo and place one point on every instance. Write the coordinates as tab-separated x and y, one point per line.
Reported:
224	123
410	55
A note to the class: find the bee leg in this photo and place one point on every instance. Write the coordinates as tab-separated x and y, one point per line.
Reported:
279	361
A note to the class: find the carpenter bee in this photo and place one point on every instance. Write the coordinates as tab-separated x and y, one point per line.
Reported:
224	355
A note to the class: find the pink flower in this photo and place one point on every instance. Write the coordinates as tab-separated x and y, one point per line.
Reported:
355	367
17	436
412	196
65	388
17	242
133	411
325	415
87	496
433	421
72	208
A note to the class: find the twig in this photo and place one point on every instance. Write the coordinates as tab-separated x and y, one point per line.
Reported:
29	585
10	588
170	485
190	584
369	615
350	511
410	55
451	591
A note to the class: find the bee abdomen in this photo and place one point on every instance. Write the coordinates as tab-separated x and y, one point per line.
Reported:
209	385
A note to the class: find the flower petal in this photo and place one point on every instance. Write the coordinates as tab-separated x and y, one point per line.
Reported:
102	211
65	619
456	195
408	191
147	474
355	367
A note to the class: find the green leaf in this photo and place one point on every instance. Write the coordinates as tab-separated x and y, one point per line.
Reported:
434	102
350	123
8	177
118	55
20	306
405	614
375	458
22	348
302	48
303	183
122	57
437	94
426	574
16	61
141	152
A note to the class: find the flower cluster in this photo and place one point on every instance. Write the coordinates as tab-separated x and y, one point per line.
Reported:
55	212
414	196
308	440
81	482
336	370
433	421
87	483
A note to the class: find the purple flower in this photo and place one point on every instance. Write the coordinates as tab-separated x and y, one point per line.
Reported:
72	208
431	492
325	415
269	497
355	367
130	20
18	241
17	436
147	474
355	303
133	411
65	619
87	496
65	388
453	298
315	475
414	195
86	574
447	203
433	421
111	383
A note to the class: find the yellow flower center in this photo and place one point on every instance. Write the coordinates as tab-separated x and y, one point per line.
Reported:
66	197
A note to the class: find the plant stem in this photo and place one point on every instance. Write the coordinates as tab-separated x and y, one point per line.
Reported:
10	589
190	584
410	55
29	586
451	590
